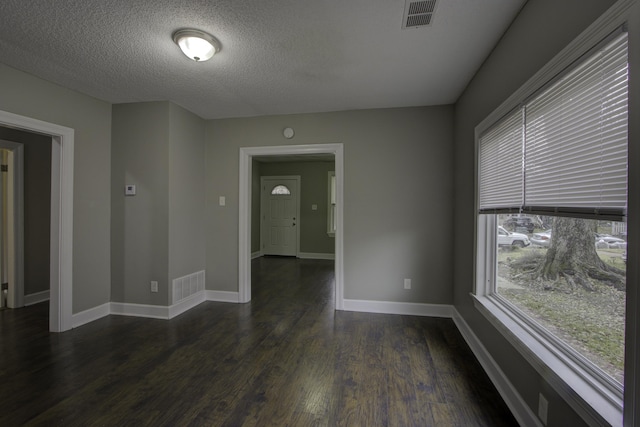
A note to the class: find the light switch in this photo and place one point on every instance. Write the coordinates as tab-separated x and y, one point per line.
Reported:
314	207
129	190
222	201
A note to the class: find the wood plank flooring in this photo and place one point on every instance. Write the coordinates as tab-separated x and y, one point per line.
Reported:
286	359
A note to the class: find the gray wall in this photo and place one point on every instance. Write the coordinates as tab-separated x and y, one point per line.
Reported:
37	207
543	28
30	96
398	196
314	190
158	233
186	193
140	223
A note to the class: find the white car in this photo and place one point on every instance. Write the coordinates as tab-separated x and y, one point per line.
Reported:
602	241
507	238
542	238
607	241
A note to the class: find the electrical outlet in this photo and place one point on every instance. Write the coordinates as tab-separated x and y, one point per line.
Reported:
543	408
407	283
154	286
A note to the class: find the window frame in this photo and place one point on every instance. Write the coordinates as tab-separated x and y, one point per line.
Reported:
594	400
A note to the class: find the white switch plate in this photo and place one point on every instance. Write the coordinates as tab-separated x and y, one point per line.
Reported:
222	201
314	207
407	283
154	286
129	190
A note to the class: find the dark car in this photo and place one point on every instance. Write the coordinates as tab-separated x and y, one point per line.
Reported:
521	223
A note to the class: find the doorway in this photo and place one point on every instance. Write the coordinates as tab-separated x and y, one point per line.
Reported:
25	206
61	231
244	231
12	224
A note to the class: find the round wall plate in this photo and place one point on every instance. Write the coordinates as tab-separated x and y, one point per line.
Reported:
288	133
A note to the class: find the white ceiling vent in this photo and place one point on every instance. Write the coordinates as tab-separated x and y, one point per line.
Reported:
418	13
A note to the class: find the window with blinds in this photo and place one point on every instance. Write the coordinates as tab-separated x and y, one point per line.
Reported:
564	152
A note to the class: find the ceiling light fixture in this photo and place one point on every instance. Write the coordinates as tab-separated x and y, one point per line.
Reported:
196	45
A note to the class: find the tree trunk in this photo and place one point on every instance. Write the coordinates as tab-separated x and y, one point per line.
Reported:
572	256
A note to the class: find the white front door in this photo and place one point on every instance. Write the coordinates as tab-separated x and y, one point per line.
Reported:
280	219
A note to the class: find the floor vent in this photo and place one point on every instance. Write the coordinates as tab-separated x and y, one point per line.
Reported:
418	13
184	287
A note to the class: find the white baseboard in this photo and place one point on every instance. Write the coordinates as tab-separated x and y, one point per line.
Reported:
405	308
90	315
223	296
158	311
520	410
152	311
186	304
36	298
140	310
312	255
255	255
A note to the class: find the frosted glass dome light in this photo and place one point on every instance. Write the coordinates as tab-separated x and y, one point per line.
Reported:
196	45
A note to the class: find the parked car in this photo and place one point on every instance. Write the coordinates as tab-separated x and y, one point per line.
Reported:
610	241
519	223
507	238
543	238
602	241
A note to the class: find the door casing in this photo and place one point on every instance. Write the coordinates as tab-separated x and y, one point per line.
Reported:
61	240
244	226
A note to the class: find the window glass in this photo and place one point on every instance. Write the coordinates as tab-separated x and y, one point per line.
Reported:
280	190
569	277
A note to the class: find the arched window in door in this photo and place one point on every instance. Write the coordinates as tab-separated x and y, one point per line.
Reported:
279	190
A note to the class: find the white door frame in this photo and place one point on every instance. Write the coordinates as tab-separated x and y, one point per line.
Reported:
61	268
15	223
263	196
244	229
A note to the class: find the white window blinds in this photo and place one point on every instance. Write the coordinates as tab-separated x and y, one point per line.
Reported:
573	144
501	168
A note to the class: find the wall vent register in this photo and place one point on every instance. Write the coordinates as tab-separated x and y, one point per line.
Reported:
418	13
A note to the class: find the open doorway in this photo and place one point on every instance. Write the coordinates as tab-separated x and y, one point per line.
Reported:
25	217
245	234
61	221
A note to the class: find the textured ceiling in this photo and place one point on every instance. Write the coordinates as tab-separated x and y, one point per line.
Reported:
278	56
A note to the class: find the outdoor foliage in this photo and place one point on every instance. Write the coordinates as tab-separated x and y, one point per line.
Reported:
590	319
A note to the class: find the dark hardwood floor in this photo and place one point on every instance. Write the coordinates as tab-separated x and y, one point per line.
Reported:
285	359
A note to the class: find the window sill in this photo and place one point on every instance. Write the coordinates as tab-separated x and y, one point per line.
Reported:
593	400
